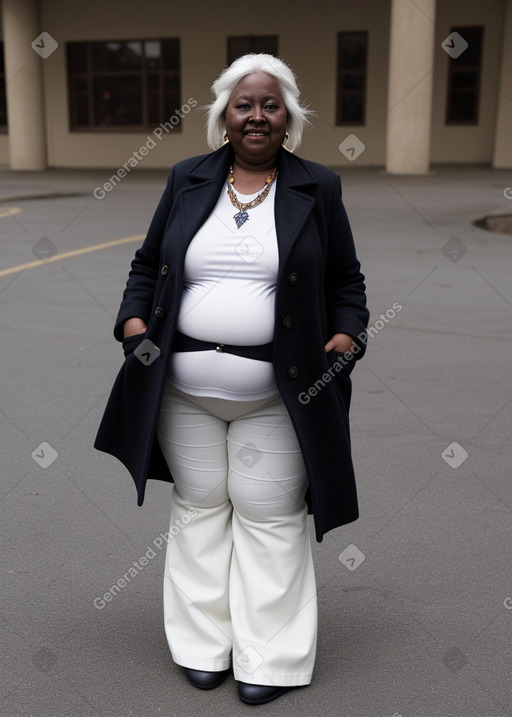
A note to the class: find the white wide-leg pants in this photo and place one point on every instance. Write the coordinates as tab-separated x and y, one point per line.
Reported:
239	584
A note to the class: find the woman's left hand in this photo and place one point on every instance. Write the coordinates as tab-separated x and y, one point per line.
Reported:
340	342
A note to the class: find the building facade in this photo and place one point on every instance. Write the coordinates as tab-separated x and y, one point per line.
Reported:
394	83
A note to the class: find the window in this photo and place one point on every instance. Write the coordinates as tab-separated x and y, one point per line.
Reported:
120	85
3	98
464	78
238	46
351	85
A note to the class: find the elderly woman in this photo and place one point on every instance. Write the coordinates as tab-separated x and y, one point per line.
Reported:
242	318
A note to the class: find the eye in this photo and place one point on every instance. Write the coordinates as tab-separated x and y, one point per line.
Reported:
271	106
243	106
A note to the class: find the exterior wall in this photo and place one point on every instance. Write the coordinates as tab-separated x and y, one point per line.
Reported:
471	144
311	50
116	20
308	47
307	41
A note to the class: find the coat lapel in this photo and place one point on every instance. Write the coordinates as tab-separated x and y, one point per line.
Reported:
199	198
293	206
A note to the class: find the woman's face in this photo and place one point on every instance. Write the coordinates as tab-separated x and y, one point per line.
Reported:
256	119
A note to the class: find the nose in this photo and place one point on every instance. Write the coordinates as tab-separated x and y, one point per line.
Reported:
257	114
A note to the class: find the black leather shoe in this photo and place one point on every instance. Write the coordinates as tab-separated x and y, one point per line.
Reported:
205	680
259	694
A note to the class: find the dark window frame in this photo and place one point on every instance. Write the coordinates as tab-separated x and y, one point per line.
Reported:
342	72
253	44
90	74
458	67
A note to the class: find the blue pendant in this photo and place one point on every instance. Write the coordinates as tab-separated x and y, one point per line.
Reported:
240	218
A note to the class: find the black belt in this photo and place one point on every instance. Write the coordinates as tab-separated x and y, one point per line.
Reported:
181	342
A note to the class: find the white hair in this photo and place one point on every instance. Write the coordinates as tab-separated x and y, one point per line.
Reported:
231	76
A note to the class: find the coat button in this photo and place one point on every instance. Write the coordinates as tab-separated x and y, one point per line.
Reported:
164	270
293	372
287	322
293	278
159	312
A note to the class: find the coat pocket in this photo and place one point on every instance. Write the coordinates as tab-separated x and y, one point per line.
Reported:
342	367
339	362
130	343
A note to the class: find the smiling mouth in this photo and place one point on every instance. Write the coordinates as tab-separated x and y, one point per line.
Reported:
256	133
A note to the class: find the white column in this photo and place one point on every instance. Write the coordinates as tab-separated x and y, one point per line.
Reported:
24	84
503	138
411	64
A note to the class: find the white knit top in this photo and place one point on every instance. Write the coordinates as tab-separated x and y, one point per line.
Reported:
229	297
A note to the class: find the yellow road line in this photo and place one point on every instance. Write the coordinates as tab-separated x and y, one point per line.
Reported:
9	211
68	254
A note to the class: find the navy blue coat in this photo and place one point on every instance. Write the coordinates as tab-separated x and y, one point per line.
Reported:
320	292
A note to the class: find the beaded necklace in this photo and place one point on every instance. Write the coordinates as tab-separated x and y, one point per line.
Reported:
241	216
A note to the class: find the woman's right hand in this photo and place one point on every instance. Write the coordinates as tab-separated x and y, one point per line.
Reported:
133	326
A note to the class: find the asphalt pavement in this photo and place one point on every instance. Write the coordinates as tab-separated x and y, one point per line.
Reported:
415	598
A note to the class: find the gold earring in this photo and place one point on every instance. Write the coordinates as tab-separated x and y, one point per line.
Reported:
285	140
225	138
